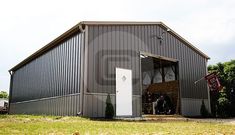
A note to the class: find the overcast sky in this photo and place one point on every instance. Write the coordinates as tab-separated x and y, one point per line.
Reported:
28	25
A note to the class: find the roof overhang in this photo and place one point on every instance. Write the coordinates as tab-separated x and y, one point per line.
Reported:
80	26
47	47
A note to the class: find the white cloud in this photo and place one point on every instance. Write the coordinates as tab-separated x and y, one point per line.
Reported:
209	26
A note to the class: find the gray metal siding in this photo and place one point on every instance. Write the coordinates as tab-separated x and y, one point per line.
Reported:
191	107
61	105
95	104
119	46
56	73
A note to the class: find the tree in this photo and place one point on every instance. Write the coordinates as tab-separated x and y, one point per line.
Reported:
229	70
3	94
226	75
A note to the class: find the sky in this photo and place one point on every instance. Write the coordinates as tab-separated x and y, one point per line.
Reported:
28	25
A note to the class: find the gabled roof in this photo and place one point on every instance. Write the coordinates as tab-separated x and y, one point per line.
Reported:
78	28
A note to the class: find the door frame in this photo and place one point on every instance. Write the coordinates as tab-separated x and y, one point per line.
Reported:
131	94
141	77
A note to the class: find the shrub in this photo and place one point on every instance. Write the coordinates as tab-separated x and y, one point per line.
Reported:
223	106
203	110
3	94
214	96
109	111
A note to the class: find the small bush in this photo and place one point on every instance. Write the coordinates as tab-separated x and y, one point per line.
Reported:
203	110
109	111
223	106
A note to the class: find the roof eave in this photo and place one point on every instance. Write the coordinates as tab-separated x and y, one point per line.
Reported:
78	27
117	23
47	47
188	43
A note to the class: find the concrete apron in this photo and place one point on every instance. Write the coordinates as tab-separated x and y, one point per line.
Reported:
170	118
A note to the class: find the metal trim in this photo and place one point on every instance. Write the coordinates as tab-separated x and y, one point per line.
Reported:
107	94
141	85
78	27
47	47
118	23
158	56
208	91
34	100
85	66
10	92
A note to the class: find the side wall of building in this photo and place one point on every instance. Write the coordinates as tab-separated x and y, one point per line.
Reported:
50	84
120	46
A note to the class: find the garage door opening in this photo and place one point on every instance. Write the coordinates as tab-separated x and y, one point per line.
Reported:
160	85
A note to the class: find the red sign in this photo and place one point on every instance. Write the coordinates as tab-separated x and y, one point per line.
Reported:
213	82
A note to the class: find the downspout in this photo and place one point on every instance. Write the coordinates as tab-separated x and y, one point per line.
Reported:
81	29
10	90
85	64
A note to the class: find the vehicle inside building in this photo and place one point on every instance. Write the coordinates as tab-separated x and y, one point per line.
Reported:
160	86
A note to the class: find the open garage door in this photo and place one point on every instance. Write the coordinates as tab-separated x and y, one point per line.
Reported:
160	83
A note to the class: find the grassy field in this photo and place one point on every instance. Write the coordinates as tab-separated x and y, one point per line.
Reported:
28	124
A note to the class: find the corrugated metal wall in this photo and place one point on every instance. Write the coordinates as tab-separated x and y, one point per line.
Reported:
61	105
50	81
119	46
95	104
191	107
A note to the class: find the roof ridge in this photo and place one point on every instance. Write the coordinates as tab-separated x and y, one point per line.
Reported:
77	27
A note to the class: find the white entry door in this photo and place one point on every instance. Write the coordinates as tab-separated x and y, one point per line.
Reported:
123	92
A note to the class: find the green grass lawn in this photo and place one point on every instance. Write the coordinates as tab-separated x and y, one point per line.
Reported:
28	124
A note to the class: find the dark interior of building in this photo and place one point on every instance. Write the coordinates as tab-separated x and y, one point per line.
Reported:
160	86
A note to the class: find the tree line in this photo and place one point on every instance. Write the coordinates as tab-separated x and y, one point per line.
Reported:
223	101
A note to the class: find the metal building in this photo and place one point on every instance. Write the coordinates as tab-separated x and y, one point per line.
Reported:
74	73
